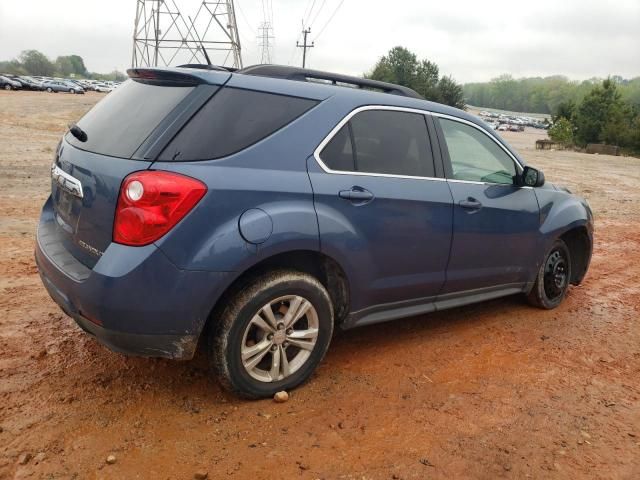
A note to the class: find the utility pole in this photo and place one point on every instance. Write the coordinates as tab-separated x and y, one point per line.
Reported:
305	46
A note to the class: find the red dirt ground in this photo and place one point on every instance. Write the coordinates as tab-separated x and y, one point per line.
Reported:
496	390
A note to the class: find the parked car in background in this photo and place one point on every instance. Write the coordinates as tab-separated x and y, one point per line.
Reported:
75	82
9	83
61	86
103	87
27	83
260	213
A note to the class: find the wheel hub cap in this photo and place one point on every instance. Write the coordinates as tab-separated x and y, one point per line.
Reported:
555	276
279	337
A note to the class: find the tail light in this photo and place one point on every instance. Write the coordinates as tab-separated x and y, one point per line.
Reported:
150	204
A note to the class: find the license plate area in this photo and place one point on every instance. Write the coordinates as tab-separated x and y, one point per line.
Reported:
65	206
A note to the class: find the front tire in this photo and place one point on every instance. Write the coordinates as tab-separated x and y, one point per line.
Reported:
49	89
554	276
272	334
7	87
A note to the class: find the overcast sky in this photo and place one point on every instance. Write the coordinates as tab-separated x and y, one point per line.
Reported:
469	39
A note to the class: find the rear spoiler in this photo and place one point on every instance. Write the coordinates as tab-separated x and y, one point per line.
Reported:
156	76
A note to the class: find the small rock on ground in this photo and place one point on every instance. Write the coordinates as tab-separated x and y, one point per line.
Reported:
201	475
111	459
281	397
24	458
39	458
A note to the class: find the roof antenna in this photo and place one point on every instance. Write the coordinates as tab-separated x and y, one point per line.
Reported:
206	55
204	50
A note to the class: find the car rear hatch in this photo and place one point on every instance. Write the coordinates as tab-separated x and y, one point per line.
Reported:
124	132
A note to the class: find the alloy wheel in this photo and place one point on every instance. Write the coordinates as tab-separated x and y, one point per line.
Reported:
279	338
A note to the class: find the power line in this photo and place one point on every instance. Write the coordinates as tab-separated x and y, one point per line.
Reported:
317	13
264	12
244	17
329	21
306	13
270	2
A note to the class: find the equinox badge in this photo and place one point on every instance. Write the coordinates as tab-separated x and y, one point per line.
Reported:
65	181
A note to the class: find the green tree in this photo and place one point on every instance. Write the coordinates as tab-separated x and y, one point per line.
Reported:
71	64
402	67
451	93
78	65
504	92
64	66
13	67
36	63
565	110
598	114
426	82
398	66
562	131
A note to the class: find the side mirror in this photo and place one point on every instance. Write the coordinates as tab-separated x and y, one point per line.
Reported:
532	177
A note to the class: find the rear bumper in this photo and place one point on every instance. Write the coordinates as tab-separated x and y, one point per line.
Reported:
180	347
134	300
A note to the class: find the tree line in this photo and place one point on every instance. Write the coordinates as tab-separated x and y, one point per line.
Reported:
541	95
34	62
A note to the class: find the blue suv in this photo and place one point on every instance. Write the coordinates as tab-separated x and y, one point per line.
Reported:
256	210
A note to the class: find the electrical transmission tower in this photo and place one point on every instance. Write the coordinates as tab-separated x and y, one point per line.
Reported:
162	36
264	42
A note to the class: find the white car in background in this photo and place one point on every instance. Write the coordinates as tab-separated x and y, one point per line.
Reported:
101	87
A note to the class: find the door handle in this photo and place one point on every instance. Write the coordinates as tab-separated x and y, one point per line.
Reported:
470	204
356	195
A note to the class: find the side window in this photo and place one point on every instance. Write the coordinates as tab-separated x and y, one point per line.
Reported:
338	154
392	142
233	120
474	156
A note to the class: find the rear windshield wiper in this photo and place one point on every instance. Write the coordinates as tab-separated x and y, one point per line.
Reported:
77	132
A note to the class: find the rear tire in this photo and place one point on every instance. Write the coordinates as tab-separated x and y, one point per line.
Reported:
554	276
7	87
49	89
272	334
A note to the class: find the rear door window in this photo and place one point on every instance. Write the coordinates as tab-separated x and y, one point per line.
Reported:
121	121
384	142
338	154
233	120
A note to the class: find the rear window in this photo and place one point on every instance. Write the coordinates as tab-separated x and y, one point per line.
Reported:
122	120
233	120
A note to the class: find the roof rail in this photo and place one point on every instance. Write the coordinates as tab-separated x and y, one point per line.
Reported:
306	75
